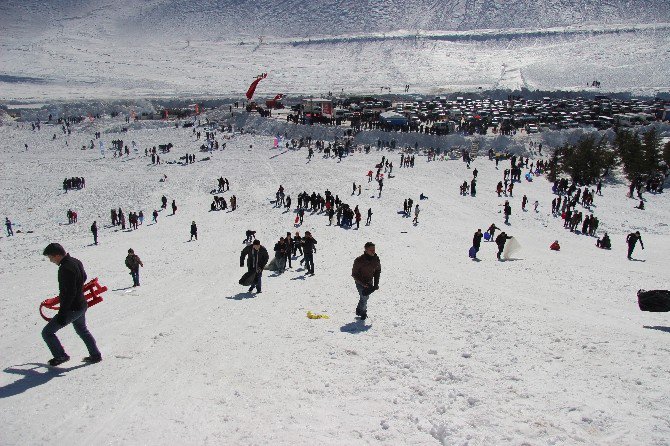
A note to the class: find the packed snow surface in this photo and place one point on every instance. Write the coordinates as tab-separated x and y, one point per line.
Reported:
546	348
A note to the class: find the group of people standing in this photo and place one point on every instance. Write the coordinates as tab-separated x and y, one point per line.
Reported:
73	183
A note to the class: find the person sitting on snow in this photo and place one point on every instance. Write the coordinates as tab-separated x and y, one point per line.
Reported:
604	243
555	246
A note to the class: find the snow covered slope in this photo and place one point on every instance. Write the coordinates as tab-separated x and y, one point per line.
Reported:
548	348
232	19
123	49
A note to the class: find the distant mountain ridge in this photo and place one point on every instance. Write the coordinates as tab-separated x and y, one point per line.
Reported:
229	19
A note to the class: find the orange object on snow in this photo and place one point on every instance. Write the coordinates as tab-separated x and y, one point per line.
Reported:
555	246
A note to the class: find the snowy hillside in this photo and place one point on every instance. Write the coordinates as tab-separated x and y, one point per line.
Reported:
122	49
230	19
548	348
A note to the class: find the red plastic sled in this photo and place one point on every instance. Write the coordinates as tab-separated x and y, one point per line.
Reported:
92	291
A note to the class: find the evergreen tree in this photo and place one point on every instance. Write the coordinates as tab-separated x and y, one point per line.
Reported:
586	160
651	144
553	171
666	153
629	148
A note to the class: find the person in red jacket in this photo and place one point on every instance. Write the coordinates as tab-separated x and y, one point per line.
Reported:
555	246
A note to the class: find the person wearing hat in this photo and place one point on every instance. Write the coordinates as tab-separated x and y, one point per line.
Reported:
366	271
257	257
632	239
71	280
133	263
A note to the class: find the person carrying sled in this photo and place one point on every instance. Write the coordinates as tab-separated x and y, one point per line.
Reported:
71	280
477	242
133	263
257	257
492	230
632	240
500	241
366	271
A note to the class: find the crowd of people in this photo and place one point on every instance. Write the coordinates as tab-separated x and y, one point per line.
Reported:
74	183
292	247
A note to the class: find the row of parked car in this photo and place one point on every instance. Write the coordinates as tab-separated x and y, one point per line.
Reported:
533	115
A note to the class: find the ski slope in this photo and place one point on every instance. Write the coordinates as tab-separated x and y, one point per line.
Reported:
546	348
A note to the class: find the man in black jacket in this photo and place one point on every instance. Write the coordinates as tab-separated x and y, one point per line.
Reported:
308	245
477	242
257	257
632	239
71	280
500	241
94	231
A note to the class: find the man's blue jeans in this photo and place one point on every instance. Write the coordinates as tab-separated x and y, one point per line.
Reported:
136	276
362	300
78	320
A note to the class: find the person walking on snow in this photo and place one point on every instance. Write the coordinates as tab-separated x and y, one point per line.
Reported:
8	225
194	231
94	231
366	271
416	215
71	280
507	211
174	207
492	230
133	263
308	243
257	257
